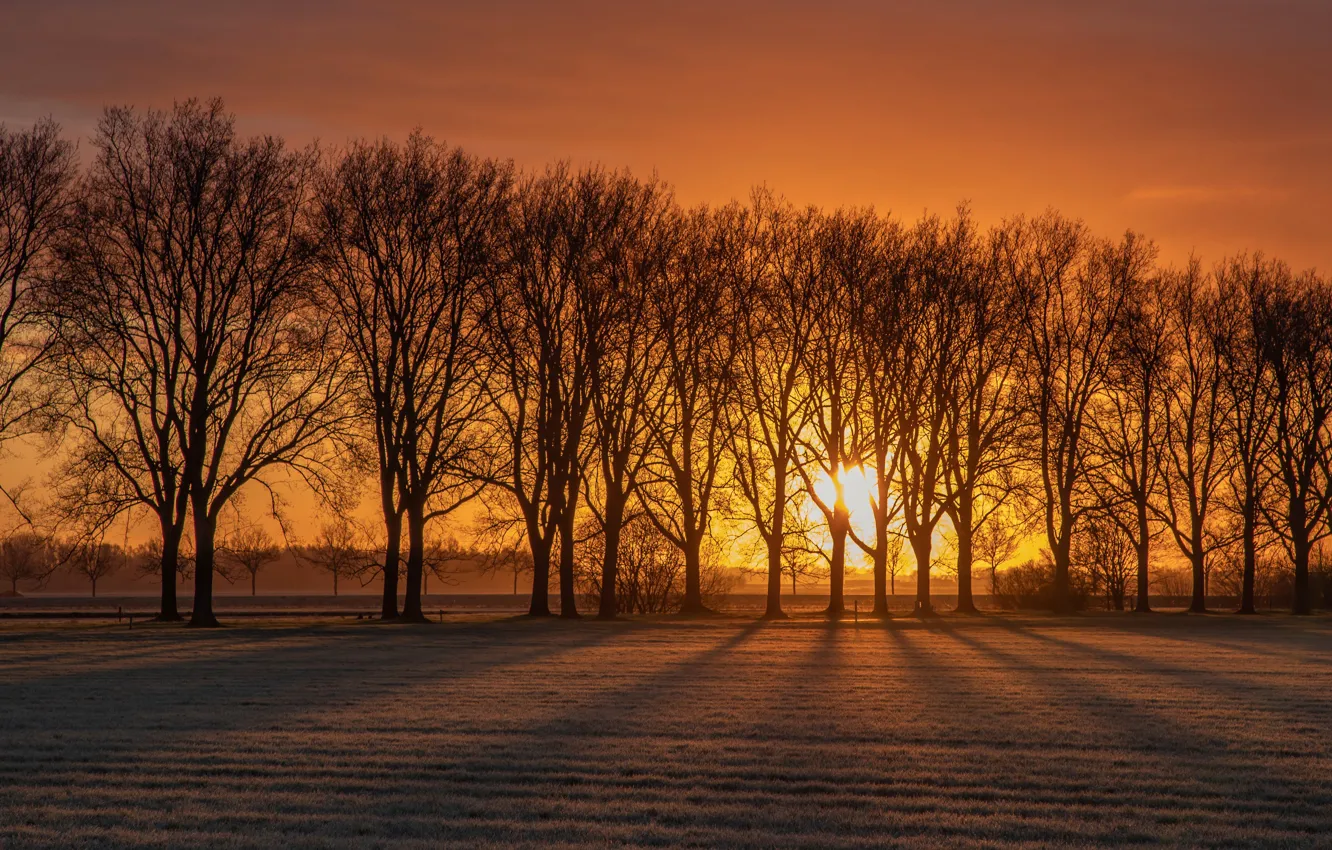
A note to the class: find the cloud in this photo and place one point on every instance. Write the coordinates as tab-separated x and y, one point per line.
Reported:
1206	194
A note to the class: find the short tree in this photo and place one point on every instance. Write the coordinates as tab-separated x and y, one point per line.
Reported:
248	551
24	557
94	560
336	550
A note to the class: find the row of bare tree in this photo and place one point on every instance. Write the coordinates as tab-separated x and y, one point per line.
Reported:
194	314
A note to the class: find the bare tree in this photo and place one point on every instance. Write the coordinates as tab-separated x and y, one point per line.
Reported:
94	560
1247	391
1195	463
36	172
881	317
336	550
694	310
941	263
1128	420
1103	549
25	556
624	379
249	549
982	473
1075	290
995	542
198	360
834	375
1297	345
776	281
408	235
544	321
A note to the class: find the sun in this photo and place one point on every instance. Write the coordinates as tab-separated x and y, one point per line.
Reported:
858	491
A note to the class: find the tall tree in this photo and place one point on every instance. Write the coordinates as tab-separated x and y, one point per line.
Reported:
625	377
1246	385
982	474
776	281
407	237
543	321
37	170
1074	289
1128	420
694	310
928	381
1194	460
878	331
1297	345
196	357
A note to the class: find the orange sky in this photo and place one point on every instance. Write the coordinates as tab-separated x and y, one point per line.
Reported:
1207	124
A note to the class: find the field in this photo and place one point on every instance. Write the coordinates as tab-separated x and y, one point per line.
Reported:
990	731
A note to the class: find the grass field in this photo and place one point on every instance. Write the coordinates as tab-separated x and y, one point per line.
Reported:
993	731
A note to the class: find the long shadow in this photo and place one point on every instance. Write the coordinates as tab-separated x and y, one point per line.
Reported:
611	709
1226	685
257	685
1156	734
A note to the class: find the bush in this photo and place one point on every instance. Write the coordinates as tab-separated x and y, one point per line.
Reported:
1031	585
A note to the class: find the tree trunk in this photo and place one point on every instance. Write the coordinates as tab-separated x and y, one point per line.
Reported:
1063	598
610	559
568	596
411	604
920	545
1198	605
388	609
1299	538
774	609
839	526
94	588
966	603
169	613
540	606
254	581
1247	602
693	595
881	579
205	529
1143	546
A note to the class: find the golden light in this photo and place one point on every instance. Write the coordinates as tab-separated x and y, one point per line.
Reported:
858	489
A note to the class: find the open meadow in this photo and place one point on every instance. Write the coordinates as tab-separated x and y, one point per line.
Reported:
990	731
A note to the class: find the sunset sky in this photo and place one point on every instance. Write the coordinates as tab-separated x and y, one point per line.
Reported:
1207	123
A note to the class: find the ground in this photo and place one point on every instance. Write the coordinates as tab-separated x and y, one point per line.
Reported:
990	731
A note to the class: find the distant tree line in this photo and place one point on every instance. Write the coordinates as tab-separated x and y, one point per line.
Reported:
618	382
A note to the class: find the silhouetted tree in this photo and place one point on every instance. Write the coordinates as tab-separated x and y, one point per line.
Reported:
408	235
249	549
834	373
1194	459
543	338
625	378
776	282
1105	552
694	309
37	169
941	263
986	416
336	549
1296	342
1075	290
25	556
198	360
879	335
1129	420
1247	405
